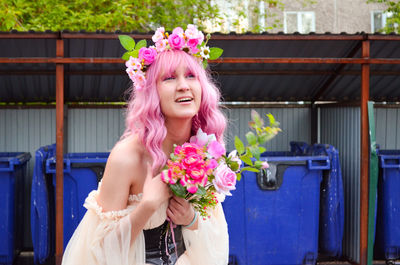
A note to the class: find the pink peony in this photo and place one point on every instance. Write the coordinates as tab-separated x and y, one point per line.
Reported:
192	44
215	149
148	55
176	41
225	179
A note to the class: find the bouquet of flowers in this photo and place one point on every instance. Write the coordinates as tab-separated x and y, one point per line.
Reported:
200	169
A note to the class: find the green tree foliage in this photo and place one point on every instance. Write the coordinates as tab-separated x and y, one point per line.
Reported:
128	15
393	21
109	15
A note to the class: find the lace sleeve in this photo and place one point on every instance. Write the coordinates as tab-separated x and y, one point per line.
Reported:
104	238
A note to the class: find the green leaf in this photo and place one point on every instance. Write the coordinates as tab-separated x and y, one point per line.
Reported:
262	149
201	191
238	176
246	158
234	166
271	118
127	42
141	44
252	169
178	190
251	138
127	55
215	53
205	64
257	118
239	145
255	152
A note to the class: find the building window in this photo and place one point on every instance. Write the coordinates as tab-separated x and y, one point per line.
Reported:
303	22
378	20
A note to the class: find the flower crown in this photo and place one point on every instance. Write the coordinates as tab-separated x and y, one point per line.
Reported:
138	57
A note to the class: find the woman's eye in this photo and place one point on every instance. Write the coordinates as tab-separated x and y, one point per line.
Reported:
190	75
168	78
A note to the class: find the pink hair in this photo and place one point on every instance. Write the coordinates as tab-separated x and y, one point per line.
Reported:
144	116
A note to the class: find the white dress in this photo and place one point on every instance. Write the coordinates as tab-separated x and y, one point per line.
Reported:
104	238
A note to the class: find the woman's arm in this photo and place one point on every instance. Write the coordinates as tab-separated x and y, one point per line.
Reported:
126	167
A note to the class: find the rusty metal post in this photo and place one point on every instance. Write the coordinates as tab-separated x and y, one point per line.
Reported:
365	68
59	151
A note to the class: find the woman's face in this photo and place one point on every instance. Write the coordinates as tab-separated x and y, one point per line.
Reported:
180	93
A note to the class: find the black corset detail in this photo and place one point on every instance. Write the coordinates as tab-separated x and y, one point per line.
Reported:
155	245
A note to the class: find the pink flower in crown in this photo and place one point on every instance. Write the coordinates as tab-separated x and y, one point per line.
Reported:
139	80
133	63
192	44
193	33
215	149
178	31
176	41
131	73
225	179
158	35
161	45
148	55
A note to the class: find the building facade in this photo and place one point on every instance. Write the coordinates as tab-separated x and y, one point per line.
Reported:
334	16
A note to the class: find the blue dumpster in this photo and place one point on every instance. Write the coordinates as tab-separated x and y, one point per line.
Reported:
331	224
12	174
42	210
82	172
387	241
274	214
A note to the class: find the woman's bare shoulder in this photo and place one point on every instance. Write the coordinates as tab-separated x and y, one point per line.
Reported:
125	165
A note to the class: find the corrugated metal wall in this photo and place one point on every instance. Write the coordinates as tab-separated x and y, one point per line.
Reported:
387	124
24	130
340	127
294	124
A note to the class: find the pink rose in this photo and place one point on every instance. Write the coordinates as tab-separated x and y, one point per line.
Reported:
148	55
225	179
192	44
192	189
264	165
176	41
215	149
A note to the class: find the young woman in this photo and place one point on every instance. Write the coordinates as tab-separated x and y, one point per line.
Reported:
127	216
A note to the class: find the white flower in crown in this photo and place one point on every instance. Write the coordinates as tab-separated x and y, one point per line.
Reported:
158	35
205	52
139	80
133	63
193	33
161	45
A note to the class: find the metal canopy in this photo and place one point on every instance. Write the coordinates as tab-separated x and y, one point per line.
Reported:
266	67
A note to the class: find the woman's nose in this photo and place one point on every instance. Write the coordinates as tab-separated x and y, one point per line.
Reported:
183	85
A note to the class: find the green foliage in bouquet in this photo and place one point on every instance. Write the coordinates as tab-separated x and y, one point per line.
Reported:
255	140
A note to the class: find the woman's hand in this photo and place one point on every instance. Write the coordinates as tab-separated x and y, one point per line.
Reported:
155	191
180	211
